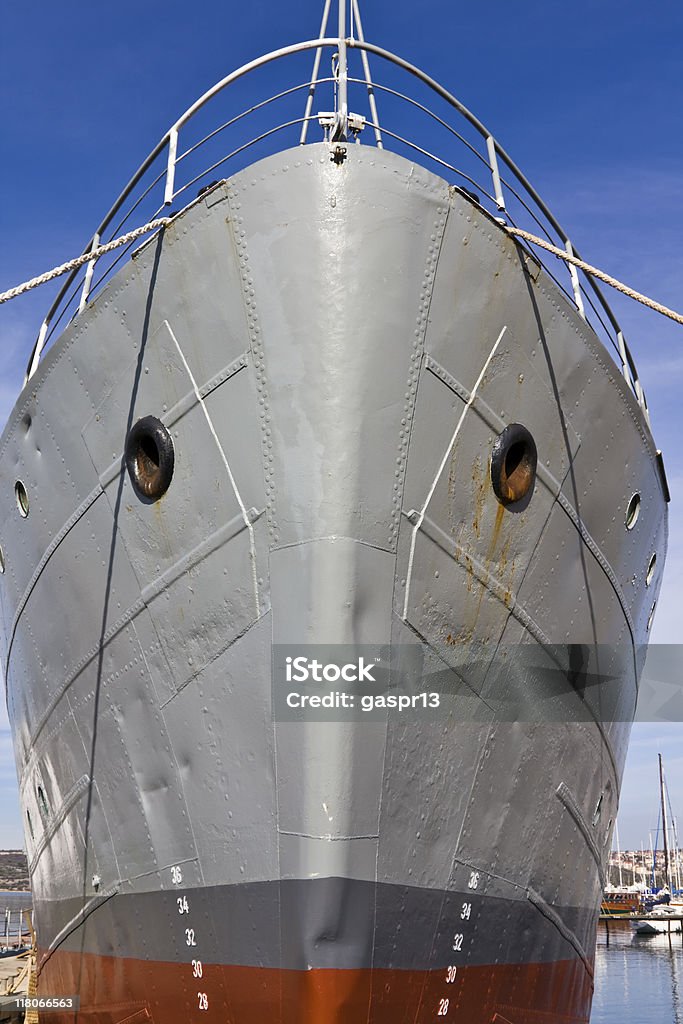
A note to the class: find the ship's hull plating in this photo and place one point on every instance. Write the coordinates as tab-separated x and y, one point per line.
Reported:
334	349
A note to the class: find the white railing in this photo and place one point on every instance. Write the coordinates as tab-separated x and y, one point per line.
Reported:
465	149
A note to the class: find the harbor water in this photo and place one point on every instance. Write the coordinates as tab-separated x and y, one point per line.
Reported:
638	979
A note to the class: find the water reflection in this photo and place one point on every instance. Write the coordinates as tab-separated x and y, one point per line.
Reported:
675	960
638	978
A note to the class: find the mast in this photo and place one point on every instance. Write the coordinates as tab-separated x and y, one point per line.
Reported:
666	847
340	132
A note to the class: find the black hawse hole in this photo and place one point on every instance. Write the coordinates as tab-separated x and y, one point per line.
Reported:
150	458
513	467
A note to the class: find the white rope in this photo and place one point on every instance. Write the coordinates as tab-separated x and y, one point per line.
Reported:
65	268
430	494
561	254
612	281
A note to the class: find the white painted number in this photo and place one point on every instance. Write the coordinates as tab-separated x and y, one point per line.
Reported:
197	969
457	942
443	1008
474	880
450	974
466	911
189	937
183	906
203	1000
176	875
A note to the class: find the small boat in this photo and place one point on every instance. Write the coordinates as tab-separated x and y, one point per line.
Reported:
619	900
661	919
9	951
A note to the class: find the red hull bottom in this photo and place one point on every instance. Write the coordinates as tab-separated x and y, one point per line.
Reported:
115	990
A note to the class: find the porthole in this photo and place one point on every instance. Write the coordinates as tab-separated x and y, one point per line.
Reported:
150	458
2	560
650	570
42	801
633	511
651	616
30	823
22	498
513	466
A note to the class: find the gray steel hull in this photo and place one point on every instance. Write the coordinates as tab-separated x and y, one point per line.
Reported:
311	334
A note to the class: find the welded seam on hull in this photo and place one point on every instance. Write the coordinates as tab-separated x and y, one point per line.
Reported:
224	458
180	409
566	933
543	473
496	423
34	756
329	537
451	547
138	1017
328	838
190	400
565	797
47	555
202	551
75	793
446	543
440	470
490	418
593	547
76	921
198	554
214	657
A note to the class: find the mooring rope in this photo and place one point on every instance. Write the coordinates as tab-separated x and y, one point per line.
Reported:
600	274
561	254
65	268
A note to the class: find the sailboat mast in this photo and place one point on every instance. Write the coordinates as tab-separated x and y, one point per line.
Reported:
666	848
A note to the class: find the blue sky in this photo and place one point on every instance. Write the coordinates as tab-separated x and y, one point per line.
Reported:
586	97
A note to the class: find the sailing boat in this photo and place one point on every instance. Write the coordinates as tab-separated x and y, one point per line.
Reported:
664	906
619	900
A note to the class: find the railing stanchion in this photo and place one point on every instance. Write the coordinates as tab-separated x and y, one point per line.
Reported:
621	344
576	285
37	350
314	75
88	275
493	164
170	168
368	78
